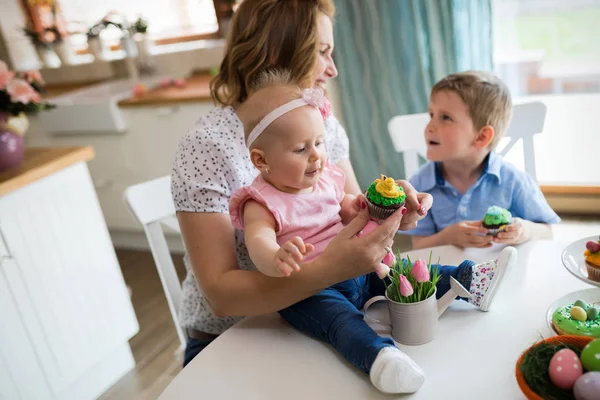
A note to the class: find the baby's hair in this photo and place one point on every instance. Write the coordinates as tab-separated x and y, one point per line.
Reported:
258	106
487	97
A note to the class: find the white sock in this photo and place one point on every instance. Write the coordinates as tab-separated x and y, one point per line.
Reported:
395	372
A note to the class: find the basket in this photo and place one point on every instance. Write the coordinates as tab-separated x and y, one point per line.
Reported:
577	341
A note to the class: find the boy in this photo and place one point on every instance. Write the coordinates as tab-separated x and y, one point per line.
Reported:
470	112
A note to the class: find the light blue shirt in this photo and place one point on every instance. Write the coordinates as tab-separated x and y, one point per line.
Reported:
500	184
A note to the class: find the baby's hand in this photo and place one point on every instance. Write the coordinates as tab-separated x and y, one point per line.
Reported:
290	254
468	234
515	233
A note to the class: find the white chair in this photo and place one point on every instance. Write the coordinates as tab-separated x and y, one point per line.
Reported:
152	205
407	133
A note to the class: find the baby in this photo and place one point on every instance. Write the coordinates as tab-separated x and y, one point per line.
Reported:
297	205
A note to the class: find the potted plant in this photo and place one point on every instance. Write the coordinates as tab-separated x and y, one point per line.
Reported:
20	94
44	49
142	39
61	45
411	299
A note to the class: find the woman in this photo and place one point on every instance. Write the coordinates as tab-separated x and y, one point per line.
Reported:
212	162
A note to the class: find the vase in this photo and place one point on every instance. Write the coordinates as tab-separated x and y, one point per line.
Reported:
96	48
12	147
47	56
65	52
414	323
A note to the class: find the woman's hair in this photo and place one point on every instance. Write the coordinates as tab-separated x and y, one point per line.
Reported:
487	97
269	35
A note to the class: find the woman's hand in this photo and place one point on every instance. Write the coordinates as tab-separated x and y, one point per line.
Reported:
350	256
417	204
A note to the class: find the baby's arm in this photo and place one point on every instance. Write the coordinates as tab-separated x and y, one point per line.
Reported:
261	241
350	207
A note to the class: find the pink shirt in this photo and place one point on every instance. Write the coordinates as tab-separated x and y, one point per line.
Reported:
315	216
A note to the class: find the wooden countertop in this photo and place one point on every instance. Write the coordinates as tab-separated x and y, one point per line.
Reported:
40	162
197	89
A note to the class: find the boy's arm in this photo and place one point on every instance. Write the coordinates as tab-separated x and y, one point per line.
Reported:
260	237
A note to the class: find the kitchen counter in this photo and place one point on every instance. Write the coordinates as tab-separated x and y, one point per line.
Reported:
40	162
197	88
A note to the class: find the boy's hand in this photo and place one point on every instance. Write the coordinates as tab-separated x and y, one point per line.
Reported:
290	254
515	233
468	234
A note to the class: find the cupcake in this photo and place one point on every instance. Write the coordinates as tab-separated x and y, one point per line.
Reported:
384	196
496	219
592	260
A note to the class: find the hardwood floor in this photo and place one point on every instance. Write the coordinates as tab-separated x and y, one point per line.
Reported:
156	347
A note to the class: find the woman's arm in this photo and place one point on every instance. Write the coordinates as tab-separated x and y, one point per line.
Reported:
210	243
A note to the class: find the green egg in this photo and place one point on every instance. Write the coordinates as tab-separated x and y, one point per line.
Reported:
592	313
578	313
590	356
580	303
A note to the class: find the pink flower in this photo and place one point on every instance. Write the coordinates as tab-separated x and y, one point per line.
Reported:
20	91
382	271
420	271
325	109
313	96
406	288
5	75
389	259
34	76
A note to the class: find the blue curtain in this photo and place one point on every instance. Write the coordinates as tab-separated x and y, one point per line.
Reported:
389	54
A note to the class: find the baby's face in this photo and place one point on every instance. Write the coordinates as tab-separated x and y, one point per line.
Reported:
296	152
450	132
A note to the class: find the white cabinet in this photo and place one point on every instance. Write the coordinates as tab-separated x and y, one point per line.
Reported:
66	316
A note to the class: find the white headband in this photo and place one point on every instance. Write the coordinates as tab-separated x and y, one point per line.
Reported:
312	97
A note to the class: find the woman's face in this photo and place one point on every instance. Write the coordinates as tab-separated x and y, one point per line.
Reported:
325	66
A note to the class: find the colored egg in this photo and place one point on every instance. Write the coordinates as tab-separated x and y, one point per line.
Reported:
165	82
580	303
139	89
564	369
592	313
578	313
179	83
587	386
590	355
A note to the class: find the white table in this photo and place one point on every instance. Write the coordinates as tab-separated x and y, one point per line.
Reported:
473	356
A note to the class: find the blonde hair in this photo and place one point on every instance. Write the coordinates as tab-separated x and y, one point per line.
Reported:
487	97
269	35
259	104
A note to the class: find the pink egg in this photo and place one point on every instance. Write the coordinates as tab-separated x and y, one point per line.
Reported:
179	83
587	386
139	89
165	82
565	368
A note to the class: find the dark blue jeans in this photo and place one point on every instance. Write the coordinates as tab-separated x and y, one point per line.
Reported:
334	314
192	348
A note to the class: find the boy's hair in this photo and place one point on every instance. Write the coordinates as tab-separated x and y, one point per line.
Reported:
487	97
258	106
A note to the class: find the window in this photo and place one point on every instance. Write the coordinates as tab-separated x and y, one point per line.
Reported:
547	46
166	18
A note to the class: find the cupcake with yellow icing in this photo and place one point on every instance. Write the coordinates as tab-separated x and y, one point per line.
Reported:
592	259
384	196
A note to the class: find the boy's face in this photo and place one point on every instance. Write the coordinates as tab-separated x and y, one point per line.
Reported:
450	133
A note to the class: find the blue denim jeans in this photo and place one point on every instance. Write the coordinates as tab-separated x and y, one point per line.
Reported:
333	315
192	348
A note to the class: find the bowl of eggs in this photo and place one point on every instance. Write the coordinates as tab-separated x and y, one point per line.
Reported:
560	367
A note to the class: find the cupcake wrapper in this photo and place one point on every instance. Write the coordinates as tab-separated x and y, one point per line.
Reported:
495	232
380	212
593	272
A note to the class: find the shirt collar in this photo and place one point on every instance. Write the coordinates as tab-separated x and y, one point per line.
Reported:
491	166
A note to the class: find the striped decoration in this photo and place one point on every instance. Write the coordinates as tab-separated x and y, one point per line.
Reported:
389	54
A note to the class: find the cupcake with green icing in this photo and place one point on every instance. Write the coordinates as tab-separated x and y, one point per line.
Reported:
496	219
384	196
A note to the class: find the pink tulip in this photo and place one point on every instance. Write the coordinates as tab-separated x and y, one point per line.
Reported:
20	91
382	271
389	259
420	271
5	75
34	76
406	288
